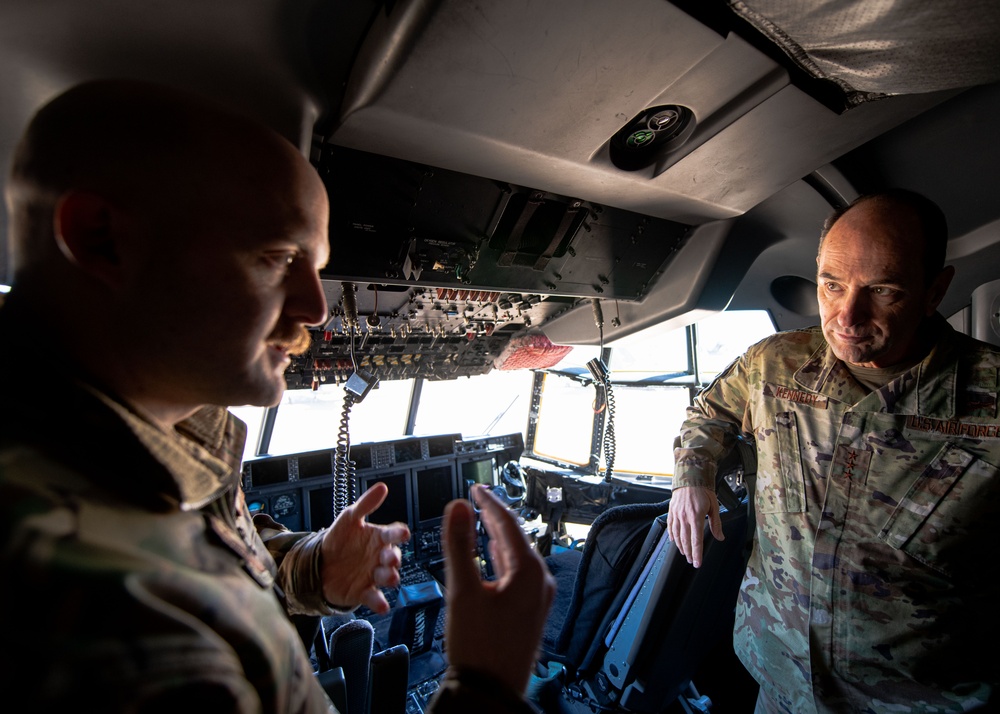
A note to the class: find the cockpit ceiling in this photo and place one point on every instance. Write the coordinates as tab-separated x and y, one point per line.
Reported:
552	96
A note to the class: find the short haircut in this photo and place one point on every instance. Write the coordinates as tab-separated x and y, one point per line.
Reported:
930	217
109	136
164	148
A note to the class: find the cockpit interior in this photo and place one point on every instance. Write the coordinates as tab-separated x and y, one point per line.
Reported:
509	180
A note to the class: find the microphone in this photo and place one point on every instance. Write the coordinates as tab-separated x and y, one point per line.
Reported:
350	305
598	312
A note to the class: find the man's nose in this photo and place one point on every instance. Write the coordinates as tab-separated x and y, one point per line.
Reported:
306	300
854	309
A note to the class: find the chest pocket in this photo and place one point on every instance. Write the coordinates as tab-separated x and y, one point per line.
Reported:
782	489
948	506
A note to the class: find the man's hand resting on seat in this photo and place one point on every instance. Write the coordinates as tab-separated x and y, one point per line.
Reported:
686	520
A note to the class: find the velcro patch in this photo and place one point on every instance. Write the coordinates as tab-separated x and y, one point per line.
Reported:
852	463
953	427
795	395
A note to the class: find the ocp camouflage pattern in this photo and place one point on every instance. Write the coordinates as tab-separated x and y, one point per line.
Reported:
872	584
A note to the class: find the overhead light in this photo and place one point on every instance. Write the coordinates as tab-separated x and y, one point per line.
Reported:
650	135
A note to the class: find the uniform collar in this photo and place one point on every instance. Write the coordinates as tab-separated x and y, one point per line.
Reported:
936	390
202	454
825	374
928	388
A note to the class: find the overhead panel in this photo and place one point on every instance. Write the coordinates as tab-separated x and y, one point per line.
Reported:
402	223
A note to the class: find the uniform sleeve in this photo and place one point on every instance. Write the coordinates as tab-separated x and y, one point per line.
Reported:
719	414
298	557
467	691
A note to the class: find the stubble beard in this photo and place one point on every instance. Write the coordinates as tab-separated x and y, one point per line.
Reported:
857	354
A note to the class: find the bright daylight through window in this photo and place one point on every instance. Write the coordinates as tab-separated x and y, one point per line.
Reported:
653	378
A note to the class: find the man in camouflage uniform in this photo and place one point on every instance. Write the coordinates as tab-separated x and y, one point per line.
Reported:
166	256
870	586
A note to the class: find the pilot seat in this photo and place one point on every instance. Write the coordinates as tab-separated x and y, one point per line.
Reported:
634	622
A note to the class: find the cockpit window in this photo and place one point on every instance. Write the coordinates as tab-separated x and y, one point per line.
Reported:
565	420
308	420
726	335
253	417
486	404
652	372
654	355
655	372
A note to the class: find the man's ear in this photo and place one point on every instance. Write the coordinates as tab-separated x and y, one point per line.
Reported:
85	232
939	286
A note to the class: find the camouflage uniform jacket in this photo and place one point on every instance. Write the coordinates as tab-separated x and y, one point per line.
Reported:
135	577
871	580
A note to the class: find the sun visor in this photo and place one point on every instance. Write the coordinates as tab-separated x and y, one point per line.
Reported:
873	50
533	351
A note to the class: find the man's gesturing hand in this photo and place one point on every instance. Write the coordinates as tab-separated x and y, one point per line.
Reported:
494	627
360	557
